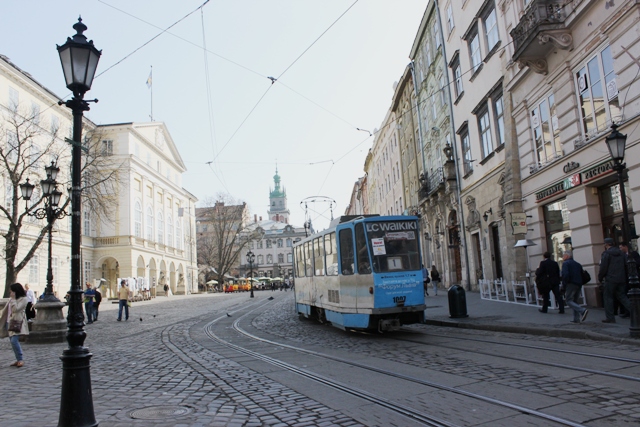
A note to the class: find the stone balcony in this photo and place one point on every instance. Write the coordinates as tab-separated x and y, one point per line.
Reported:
544	22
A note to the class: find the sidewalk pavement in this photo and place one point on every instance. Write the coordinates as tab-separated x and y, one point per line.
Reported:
503	316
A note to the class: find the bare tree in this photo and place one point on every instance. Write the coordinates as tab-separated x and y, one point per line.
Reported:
29	147
221	238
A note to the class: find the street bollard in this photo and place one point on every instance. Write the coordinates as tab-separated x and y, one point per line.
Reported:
457	302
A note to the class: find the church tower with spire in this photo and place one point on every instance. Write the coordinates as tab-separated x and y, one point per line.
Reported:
278	210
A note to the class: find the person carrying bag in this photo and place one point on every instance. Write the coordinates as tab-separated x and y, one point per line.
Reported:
14	322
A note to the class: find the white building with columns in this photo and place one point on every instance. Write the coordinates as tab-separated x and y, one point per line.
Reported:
149	234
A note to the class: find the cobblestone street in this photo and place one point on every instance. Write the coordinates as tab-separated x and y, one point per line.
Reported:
149	372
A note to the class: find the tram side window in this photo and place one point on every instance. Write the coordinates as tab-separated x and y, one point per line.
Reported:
299	261
364	266
331	254
318	256
346	251
308	254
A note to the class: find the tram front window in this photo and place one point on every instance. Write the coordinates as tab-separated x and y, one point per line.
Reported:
394	246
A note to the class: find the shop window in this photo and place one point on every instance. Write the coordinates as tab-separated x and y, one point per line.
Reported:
557	228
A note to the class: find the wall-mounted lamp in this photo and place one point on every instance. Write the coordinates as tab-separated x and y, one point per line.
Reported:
486	213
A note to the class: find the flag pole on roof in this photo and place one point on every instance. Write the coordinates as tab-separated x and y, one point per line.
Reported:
150	86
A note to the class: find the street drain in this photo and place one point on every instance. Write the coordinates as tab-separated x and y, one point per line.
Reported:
160	412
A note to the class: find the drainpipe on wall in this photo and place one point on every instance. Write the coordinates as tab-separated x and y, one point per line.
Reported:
455	151
421	141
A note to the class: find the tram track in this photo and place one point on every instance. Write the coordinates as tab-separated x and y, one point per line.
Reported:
538	362
426	419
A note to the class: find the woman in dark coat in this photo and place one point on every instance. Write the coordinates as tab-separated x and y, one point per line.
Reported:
15	311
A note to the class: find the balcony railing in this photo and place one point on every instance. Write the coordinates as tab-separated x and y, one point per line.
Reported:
542	23
431	184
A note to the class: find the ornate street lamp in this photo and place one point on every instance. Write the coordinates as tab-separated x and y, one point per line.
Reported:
616	143
250	259
79	59
51	212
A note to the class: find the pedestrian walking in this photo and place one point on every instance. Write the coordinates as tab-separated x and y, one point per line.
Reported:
96	304
425	280
435	279
32	299
548	280
14	322
123	300
166	290
624	247
572	281
613	273
89	297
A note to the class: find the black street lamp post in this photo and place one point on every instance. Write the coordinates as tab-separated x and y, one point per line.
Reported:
51	212
250	259
79	59
616	144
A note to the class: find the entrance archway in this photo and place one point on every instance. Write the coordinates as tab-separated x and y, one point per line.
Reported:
110	269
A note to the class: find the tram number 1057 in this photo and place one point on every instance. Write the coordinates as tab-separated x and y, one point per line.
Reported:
399	300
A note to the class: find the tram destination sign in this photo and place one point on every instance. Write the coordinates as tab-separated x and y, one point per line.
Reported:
392	226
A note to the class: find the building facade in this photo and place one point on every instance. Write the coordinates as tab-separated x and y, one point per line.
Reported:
573	73
271	240
146	230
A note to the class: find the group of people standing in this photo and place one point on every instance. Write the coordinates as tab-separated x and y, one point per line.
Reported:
92	300
613	276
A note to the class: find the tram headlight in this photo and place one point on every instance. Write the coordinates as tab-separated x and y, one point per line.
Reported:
371	290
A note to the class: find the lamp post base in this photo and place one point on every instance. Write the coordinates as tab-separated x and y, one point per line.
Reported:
76	404
634	299
49	326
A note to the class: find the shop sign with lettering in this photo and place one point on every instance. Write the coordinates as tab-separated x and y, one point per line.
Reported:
519	222
597	171
551	191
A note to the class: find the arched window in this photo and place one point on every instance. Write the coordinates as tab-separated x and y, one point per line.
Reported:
169	230
138	220
149	224
160	228
178	235
269	259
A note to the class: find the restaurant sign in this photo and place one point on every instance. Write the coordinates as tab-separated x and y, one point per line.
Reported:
597	171
567	183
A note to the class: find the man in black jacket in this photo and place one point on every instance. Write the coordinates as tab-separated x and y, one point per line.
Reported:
613	272
548	280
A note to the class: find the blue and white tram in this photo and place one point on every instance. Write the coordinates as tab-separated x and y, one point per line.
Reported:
362	273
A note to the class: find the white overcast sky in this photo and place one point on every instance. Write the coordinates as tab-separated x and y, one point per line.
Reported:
306	121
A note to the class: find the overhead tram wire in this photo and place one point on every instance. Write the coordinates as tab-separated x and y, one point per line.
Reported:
153	38
227	59
273	80
210	116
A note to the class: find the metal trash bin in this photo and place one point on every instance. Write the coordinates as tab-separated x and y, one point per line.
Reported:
457	302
